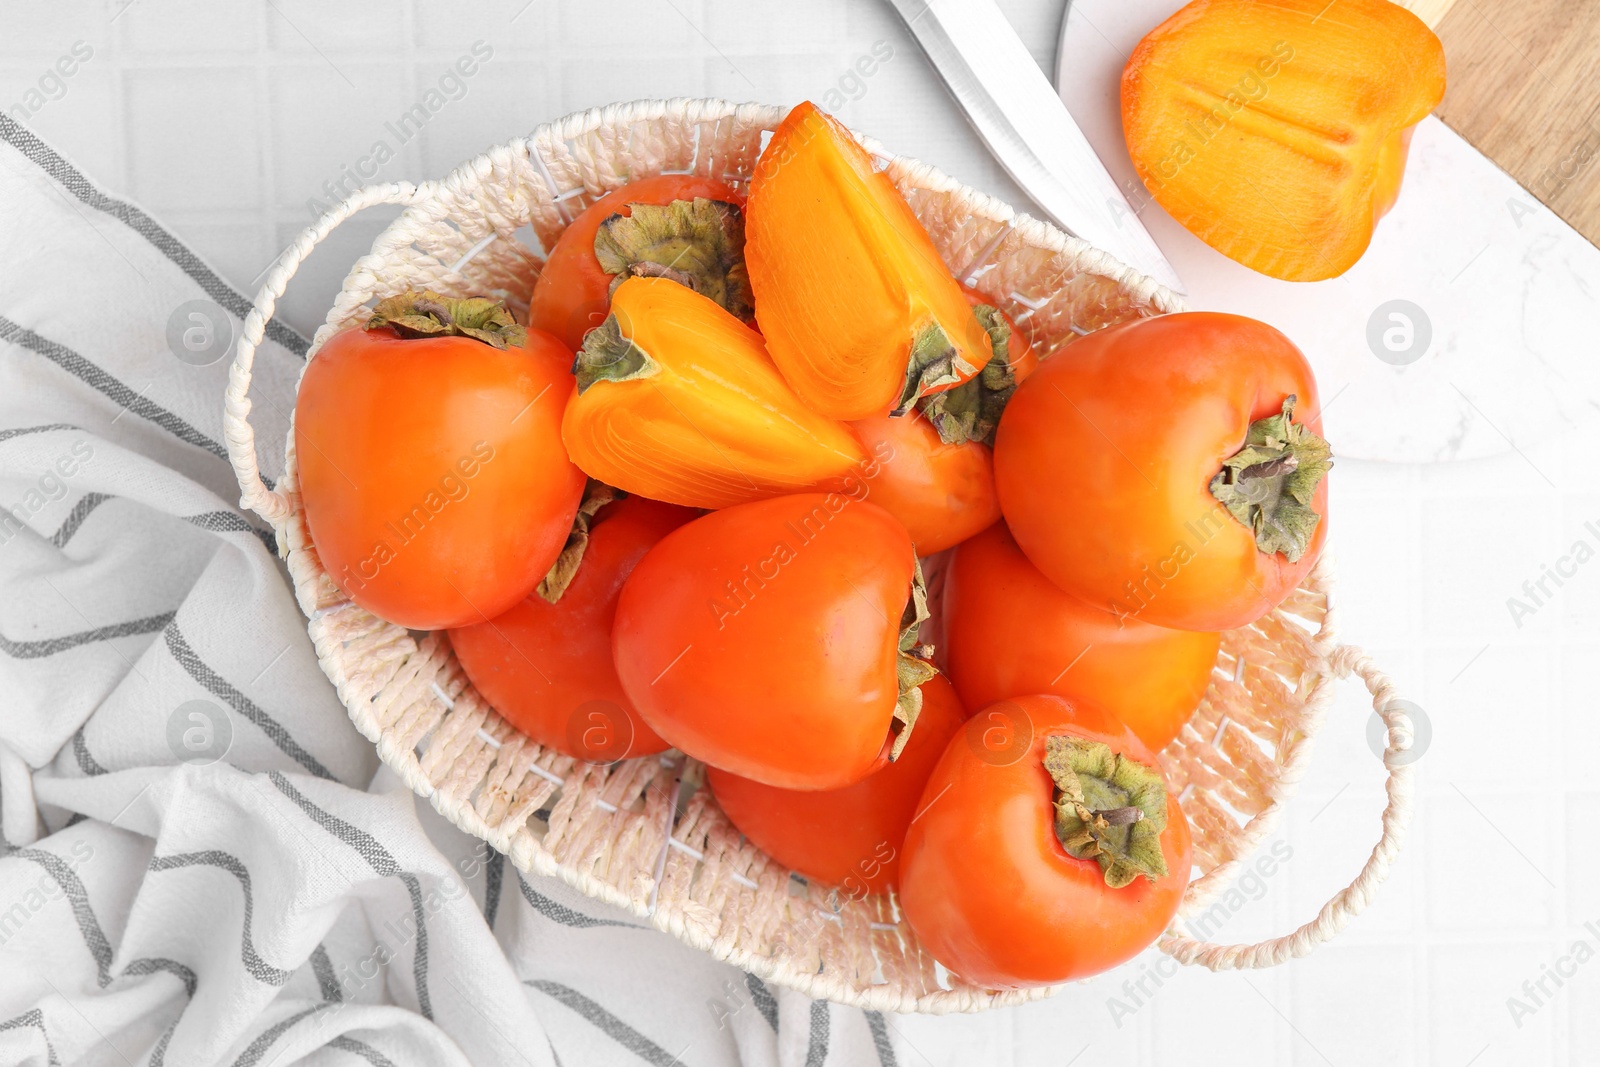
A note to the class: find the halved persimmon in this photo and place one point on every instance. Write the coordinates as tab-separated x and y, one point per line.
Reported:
1277	133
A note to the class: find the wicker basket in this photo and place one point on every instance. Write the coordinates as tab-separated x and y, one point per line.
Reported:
641	834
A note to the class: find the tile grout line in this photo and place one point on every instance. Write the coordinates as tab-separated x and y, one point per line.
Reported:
1422	947
266	209
412	83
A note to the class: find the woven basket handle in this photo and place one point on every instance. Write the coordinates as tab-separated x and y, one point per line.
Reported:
238	435
1349	902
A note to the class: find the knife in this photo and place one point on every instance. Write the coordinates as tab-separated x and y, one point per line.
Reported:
1017	113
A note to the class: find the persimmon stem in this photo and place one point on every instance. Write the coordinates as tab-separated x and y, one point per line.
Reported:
934	361
1269	484
971	411
1271	468
697	243
657	270
423	314
424	306
609	355
1109	808
1123	816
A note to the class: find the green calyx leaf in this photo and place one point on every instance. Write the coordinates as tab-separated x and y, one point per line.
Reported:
596	495
913	666
934	361
698	243
971	411
427	314
609	356
1109	808
1268	484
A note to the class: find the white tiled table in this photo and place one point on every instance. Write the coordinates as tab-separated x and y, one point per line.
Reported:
223	120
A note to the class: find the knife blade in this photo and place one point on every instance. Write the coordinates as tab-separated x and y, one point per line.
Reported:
1018	115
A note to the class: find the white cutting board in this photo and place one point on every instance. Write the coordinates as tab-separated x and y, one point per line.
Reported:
1510	293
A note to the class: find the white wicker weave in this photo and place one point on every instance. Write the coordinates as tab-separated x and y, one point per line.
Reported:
641	834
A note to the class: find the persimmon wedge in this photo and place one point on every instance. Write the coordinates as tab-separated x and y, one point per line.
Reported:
678	401
859	312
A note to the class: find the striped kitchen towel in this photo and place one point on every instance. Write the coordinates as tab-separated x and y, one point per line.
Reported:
202	861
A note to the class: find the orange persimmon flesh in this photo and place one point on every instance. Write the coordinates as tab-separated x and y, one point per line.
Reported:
678	401
1277	132
859	312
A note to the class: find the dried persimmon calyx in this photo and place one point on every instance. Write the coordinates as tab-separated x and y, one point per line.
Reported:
1109	808
698	243
425	313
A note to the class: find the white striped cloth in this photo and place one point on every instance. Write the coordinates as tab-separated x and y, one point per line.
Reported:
291	902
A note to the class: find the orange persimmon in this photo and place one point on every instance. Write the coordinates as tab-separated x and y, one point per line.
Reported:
678	400
1277	133
1169	469
778	640
859	312
1049	857
684	226
1008	631
428	440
